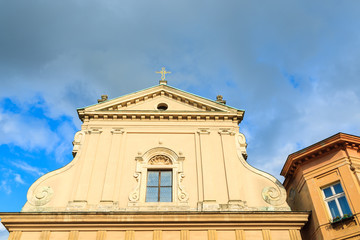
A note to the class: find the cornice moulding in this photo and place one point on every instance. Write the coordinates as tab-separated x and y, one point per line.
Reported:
16	221
334	143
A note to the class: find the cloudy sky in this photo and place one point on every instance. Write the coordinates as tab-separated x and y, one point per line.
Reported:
294	67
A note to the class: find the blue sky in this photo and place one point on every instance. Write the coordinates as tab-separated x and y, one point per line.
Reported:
294	67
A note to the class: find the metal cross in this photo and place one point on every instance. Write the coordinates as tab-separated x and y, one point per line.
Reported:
163	72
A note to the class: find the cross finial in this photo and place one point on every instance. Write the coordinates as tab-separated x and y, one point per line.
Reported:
163	73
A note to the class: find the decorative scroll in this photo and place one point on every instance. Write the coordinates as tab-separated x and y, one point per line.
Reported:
78	140
160	160
135	194
42	196
274	196
242	145
182	195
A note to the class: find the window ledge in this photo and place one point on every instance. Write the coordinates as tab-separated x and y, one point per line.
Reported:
343	219
158	206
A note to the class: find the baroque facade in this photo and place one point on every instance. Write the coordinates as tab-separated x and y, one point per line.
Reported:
160	163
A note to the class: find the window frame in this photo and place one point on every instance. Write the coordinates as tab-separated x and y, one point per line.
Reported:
168	160
335	196
159	171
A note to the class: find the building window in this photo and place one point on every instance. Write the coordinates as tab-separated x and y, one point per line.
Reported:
336	201
159	186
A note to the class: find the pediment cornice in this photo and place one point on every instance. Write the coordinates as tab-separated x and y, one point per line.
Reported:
201	108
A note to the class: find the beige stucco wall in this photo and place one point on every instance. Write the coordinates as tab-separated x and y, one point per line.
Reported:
103	169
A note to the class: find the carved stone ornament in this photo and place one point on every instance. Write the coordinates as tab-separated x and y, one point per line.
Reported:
160	160
167	159
78	140
42	196
135	194
182	195
274	196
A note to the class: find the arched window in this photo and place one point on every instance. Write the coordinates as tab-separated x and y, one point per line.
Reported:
159	174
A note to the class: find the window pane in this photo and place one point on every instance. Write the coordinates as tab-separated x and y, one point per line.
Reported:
333	209
165	194
327	192
344	205
153	178
152	194
166	178
338	188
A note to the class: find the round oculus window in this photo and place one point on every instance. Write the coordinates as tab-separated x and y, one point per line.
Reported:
162	106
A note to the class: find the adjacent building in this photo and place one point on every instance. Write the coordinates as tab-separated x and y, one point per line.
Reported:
325	178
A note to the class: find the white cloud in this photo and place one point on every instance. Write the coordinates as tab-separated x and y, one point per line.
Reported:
28	168
27	132
4	234
18	178
5	186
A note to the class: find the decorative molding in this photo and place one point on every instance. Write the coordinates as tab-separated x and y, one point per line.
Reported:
163	158
203	131
163	116
127	221
78	141
135	194
160	160
226	131
94	131
337	142
182	195
117	131
274	196
241	140
42	196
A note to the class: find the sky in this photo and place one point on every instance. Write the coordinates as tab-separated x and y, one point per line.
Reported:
293	66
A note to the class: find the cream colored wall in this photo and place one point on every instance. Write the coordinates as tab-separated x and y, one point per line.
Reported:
101	175
213	175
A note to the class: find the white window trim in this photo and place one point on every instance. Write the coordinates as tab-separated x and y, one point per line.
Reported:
137	198
335	197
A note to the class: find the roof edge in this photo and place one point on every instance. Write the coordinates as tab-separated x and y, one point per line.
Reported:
318	146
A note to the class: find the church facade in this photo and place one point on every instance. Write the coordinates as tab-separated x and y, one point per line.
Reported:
160	163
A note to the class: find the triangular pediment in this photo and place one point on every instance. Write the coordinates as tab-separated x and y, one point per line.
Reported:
149	100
